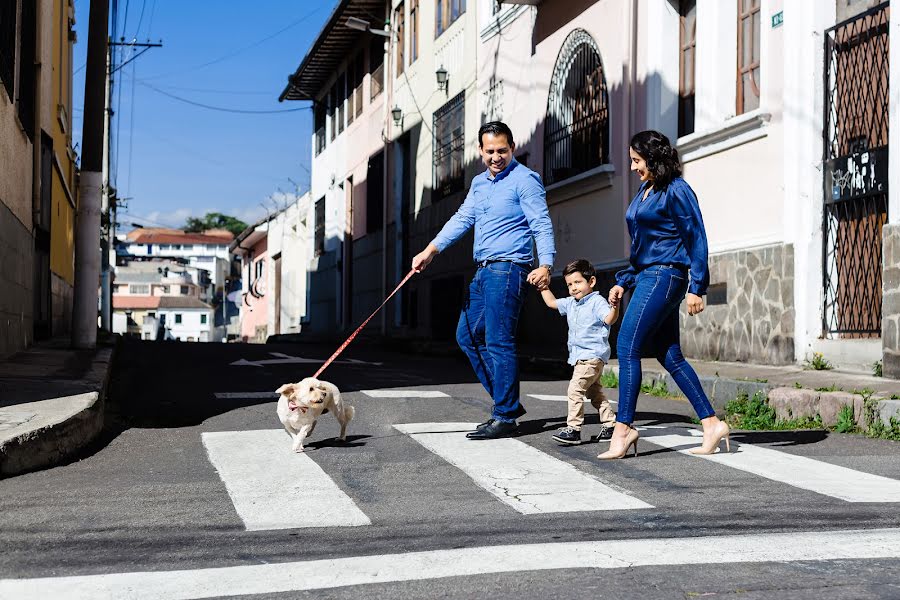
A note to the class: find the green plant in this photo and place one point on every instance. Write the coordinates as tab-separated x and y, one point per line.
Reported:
818	362
753	379
797	385
609	379
877	368
831	388
657	388
845	422
755	413
750	413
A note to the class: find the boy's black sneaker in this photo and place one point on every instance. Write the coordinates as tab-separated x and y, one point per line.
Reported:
568	436
606	432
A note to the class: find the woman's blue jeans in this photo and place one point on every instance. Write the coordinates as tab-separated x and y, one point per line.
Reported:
650	327
487	333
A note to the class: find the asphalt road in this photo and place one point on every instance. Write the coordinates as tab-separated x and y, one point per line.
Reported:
147	497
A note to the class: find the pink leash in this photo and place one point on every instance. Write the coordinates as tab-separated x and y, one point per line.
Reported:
358	329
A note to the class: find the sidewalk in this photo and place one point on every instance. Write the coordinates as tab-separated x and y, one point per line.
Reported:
794	392
51	404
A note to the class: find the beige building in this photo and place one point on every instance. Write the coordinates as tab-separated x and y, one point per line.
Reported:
37	171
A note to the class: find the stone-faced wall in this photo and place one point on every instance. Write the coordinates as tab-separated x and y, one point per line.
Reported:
890	303
756	324
16	283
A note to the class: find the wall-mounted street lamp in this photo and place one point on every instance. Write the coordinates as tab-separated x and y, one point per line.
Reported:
362	25
397	114
441	75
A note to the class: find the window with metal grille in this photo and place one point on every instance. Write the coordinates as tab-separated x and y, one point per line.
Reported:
413	30
360	76
320	226
319	117
448	11
141	289
376	66
748	76
341	101
400	26
8	45
351	91
332	110
449	147
687	66
576	130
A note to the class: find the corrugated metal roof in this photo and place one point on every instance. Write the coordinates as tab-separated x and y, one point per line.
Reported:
332	46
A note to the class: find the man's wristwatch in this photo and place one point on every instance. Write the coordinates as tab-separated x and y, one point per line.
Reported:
548	267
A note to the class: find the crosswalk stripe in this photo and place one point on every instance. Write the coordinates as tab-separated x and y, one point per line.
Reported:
555	398
523	477
797	471
329	573
273	487
404	394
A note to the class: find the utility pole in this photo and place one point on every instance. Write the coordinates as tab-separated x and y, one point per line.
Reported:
87	233
109	198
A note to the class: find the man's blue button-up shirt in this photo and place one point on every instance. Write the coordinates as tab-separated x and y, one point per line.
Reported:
588	332
508	212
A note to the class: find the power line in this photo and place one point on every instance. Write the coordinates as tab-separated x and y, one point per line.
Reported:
244	48
220	108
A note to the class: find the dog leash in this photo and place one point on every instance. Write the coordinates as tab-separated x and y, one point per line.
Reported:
358	329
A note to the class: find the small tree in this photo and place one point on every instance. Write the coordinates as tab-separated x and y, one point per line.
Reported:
214	220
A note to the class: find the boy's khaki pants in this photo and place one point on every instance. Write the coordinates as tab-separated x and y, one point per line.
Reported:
586	384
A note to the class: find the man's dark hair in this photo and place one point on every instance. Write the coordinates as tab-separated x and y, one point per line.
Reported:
661	158
582	266
495	128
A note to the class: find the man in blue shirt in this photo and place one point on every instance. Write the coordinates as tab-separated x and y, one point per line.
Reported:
507	206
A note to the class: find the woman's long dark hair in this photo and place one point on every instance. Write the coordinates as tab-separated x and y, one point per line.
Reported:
662	159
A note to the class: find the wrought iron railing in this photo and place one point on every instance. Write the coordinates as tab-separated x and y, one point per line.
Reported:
576	132
449	147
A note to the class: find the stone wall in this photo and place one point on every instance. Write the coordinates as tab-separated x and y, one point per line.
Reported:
890	303
756	323
16	282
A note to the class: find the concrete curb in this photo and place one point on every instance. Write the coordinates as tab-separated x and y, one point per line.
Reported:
53	430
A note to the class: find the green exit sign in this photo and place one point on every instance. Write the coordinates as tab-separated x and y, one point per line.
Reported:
777	19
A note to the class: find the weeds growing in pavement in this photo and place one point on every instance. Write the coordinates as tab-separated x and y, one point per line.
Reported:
755	413
877	427
609	380
818	362
845	422
831	388
877	367
797	385
658	388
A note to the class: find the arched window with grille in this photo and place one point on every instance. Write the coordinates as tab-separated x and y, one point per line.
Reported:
576	130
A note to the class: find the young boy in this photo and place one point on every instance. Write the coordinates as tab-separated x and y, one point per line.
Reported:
589	317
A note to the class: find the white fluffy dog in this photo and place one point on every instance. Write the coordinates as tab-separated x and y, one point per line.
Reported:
301	404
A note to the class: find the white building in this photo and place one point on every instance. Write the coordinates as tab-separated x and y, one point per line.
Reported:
802	250
182	319
208	252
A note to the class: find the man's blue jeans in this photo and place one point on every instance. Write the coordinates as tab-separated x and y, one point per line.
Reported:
650	327
487	333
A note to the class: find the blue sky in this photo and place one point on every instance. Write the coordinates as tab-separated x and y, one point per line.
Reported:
174	159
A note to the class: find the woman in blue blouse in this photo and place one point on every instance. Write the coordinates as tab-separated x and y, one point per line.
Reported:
668	260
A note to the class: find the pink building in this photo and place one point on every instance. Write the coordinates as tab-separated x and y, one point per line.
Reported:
253	249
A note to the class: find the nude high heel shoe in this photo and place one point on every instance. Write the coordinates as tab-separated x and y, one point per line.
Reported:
723	431
630	440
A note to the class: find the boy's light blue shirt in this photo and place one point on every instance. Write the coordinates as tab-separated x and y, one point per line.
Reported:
588	332
508	212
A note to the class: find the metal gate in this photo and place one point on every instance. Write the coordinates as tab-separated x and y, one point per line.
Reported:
855	169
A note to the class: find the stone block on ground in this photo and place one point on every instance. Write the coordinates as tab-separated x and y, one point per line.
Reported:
831	404
793	403
888	409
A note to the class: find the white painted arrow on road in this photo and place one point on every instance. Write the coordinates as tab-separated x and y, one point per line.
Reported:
286	359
